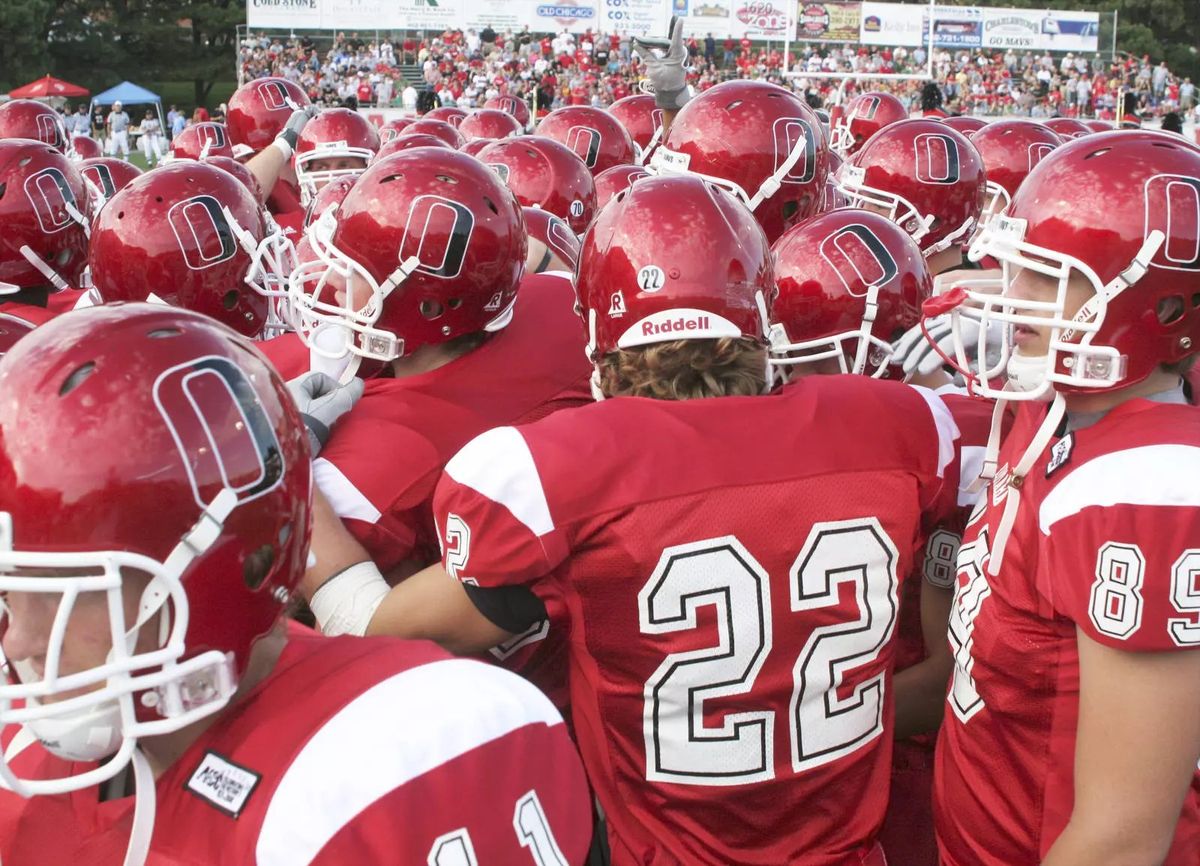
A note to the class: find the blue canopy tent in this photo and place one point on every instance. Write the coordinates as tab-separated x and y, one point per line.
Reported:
127	93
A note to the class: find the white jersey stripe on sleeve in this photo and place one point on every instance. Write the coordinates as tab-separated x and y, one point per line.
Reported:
946	428
1150	475
499	465
394	732
347	501
970	465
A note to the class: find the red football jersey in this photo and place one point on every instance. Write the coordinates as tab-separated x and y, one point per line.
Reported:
973	417
351	751
731	569
381	465
288	354
32	313
1107	540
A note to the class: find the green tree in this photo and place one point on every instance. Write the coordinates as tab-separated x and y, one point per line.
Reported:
23	54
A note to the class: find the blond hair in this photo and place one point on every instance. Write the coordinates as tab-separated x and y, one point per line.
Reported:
686	369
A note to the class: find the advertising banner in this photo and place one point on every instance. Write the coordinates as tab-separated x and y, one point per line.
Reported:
1070	31
893	24
554	16
297	14
500	15
701	17
762	19
436	15
829	22
957	27
636	17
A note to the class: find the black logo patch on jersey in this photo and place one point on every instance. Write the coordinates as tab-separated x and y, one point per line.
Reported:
223	784
1060	453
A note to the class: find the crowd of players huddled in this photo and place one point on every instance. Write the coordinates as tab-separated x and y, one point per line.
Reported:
708	479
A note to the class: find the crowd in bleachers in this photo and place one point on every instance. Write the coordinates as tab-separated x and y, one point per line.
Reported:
468	67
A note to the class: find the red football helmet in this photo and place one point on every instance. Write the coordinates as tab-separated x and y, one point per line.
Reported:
438	129
193	236
543	173
83	148
330	195
1067	127
476	146
965	123
258	111
28	118
11	330
757	140
850	283
1123	211
864	116
1099	125
243	174
448	113
926	176
554	234
612	180
337	135
46	212
489	123
595	135
200	140
108	174
1010	149
197	491
511	105
637	285
393	128
429	245
407	141
643	120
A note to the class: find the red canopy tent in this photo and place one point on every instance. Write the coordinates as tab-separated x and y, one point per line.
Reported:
48	87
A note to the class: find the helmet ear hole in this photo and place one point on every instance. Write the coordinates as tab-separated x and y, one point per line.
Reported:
1170	309
257	566
230	299
431	309
76	378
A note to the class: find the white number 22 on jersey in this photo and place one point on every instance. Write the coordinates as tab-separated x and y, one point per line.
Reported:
853	556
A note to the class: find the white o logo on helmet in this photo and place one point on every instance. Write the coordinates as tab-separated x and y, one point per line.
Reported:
651	278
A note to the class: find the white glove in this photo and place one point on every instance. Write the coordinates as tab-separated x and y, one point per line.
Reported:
322	401
665	68
916	354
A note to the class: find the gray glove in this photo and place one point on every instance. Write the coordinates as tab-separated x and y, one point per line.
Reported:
916	354
322	401
290	134
665	68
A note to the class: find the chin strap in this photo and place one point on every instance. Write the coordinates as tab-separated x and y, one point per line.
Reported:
144	807
44	269
1017	479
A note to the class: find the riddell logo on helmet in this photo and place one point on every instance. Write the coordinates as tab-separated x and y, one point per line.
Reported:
678	324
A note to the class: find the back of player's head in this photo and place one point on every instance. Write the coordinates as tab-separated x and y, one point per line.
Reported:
674	266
